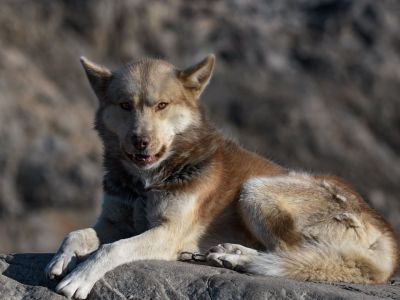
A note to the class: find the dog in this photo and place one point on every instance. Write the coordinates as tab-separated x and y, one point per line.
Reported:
174	184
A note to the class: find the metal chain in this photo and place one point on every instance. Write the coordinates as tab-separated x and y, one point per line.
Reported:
192	256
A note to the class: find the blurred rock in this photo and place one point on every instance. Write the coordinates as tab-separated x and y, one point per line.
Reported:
311	84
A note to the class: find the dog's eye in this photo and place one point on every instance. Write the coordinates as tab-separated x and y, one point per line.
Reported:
161	106
126	105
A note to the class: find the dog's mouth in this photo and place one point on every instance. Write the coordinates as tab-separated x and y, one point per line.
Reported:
145	159
142	158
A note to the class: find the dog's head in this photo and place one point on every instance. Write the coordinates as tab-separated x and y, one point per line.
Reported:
145	105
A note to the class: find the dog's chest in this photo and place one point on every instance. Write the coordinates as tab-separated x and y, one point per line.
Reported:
169	207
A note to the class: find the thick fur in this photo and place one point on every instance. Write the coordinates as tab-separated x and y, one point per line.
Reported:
201	192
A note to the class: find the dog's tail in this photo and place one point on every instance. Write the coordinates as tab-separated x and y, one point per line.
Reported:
329	263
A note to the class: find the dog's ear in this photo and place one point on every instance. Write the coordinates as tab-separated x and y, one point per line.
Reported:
196	78
99	77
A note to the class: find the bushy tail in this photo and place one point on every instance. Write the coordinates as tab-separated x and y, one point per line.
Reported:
328	263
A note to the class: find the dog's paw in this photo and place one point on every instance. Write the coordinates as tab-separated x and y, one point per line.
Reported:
232	249
61	264
77	284
237	262
231	256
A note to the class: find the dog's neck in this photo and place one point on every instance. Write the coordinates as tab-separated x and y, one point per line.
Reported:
191	154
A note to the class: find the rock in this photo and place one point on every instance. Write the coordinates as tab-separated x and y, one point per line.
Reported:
22	277
311	84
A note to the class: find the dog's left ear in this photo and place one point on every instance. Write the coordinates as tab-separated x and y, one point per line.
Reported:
196	78
99	77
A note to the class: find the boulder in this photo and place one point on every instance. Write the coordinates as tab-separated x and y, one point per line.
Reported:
22	277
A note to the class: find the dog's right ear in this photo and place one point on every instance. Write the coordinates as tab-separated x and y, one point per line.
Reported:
99	77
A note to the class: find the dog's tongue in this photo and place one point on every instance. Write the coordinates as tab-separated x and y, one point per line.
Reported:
147	159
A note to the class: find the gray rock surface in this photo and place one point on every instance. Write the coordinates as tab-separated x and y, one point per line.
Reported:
311	84
22	278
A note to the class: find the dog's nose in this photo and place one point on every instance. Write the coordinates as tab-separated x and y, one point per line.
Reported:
140	142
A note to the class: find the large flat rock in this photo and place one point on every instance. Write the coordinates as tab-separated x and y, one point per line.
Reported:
22	277
312	84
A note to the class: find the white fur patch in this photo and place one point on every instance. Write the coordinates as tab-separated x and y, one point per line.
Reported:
184	118
267	264
257	184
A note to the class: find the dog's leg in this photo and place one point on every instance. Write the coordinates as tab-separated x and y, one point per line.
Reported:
157	243
80	243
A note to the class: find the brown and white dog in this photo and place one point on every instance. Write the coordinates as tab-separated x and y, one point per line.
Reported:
173	184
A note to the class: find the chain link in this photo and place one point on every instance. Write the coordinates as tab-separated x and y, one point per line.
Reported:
192	256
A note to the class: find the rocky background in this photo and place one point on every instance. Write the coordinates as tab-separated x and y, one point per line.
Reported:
311	84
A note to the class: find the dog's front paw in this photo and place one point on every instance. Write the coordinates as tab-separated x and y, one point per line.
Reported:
61	264
77	284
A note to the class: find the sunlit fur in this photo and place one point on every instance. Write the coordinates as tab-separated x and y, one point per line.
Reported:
205	193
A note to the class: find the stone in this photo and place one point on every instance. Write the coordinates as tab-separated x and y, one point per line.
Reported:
22	277
311	84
